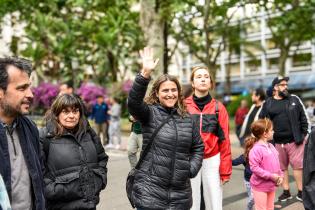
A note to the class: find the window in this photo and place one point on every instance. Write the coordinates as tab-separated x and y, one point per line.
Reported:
301	60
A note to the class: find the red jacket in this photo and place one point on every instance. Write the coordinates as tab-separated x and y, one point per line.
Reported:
240	115
208	132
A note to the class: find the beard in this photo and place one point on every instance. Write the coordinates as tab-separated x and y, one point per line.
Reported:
285	93
12	111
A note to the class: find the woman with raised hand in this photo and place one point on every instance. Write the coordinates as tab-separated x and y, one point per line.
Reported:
175	156
212	121
74	158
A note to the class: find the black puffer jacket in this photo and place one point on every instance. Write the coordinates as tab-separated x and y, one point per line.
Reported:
163	181
309	173
75	169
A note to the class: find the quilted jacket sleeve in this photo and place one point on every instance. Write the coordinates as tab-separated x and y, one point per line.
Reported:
136	106
196	152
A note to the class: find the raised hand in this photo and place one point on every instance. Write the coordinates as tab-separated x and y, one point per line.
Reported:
148	62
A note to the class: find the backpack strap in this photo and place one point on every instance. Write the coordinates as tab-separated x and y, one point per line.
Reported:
217	109
220	132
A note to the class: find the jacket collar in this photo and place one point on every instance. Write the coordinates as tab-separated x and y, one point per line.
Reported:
166	110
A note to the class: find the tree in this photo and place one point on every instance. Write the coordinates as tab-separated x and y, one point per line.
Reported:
291	23
66	37
156	23
203	28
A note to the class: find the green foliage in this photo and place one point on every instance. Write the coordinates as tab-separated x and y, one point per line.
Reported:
201	26
234	104
293	25
64	38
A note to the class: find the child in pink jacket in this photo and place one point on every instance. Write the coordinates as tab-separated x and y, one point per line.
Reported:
264	164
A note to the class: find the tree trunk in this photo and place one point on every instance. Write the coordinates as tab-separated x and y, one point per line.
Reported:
113	65
165	54
227	85
213	72
284	52
205	27
152	26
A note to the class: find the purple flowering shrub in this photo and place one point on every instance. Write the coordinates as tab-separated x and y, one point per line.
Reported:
122	91
44	95
89	92
126	86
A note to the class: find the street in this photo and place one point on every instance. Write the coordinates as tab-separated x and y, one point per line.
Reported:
234	193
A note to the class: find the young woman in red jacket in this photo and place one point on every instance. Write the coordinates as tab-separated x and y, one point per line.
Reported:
213	121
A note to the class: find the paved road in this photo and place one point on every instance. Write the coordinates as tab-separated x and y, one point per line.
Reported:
114	196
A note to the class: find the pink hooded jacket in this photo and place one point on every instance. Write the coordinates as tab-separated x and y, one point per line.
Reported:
264	162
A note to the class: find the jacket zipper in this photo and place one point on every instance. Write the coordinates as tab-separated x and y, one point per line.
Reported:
13	143
200	124
173	160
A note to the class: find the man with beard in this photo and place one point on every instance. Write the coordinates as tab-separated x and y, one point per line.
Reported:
258	98
291	128
20	160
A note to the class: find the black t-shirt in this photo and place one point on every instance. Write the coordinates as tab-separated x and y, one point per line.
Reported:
281	123
251	118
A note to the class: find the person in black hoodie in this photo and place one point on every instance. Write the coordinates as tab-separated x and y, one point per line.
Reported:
175	156
74	159
291	128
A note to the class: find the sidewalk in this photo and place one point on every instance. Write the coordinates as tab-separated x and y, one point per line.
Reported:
234	196
294	206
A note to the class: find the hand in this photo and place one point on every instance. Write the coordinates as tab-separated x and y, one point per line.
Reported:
148	62
306	137
279	182
275	177
223	182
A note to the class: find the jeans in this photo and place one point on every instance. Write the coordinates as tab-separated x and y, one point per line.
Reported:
102	129
114	132
250	199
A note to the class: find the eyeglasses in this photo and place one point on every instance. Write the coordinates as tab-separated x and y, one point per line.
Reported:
283	85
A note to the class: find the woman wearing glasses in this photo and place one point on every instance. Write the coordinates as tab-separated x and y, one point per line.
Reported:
74	159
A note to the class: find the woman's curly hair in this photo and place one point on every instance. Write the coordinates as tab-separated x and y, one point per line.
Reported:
153	95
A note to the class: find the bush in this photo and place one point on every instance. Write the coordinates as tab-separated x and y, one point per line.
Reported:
121	92
89	92
44	95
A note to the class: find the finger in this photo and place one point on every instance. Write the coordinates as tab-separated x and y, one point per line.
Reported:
146	51
156	62
151	52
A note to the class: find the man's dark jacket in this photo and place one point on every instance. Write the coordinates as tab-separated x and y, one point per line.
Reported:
29	140
163	180
309	173
296	114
